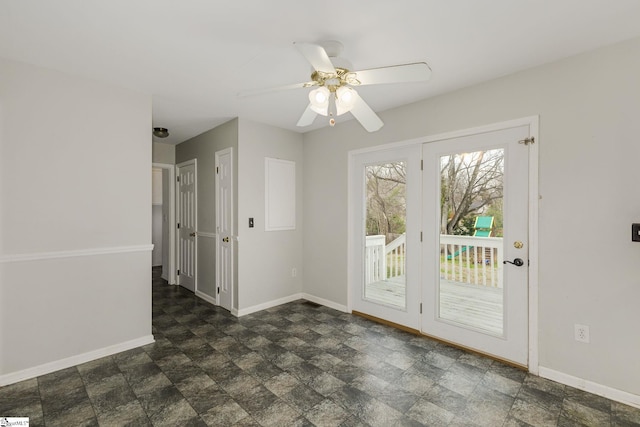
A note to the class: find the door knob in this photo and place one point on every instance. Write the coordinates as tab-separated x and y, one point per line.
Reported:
518	262
226	240
192	234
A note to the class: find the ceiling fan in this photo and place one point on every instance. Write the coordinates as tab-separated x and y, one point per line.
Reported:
333	81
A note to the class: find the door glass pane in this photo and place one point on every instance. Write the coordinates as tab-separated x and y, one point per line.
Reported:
385	241
471	201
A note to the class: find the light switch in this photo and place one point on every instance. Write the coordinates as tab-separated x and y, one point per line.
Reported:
250	222
635	232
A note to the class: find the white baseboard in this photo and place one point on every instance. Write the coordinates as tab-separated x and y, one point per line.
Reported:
266	305
68	362
325	302
290	298
207	298
591	387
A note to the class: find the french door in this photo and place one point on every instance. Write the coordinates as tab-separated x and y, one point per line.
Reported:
385	234
443	247
475	250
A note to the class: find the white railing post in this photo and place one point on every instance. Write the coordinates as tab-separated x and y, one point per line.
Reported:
375	264
472	260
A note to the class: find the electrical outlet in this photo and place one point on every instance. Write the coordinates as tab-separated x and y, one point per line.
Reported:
581	333
294	272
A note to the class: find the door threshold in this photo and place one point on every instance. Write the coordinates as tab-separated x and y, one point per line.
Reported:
440	340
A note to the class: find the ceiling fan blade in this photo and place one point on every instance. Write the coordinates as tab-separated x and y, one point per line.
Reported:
365	115
253	92
416	72
307	117
317	57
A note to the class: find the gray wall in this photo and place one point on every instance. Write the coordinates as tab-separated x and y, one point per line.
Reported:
203	148
265	258
75	220
164	153
589	107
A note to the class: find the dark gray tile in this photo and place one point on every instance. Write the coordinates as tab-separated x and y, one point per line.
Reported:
445	398
532	414
577	412
296	364
624	415
397	398
429	414
327	414
302	398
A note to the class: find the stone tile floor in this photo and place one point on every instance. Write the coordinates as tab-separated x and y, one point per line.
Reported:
298	364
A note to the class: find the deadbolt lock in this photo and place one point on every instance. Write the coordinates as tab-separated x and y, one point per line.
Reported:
518	244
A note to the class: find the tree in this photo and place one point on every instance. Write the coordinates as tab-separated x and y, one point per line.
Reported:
386	203
470	183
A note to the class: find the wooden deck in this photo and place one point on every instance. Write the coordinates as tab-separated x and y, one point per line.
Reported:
477	306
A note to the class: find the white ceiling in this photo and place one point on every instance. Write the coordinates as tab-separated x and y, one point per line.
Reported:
194	56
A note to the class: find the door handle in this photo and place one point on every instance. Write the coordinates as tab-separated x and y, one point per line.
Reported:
226	240
518	262
192	234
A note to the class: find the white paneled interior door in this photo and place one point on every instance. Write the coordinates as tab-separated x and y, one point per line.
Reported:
187	224
224	227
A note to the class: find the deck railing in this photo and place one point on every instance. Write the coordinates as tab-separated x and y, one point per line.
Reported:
383	261
375	260
463	259
471	260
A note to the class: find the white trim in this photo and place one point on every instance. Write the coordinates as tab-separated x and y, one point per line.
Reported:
171	279
591	387
325	302
206	234
533	244
288	299
269	304
39	256
69	362
206	297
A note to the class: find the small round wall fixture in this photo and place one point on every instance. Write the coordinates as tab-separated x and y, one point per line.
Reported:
160	132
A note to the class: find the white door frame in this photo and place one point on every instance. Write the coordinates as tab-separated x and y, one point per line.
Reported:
171	277
193	162
533	273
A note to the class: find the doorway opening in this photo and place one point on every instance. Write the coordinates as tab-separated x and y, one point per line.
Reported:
163	220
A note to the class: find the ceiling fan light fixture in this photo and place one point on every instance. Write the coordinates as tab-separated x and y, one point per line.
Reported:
319	99
345	99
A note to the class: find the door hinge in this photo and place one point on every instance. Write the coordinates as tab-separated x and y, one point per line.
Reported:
218	290
217	169
420	308
421	236
178	225
178	178
178	272
527	141
421	164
